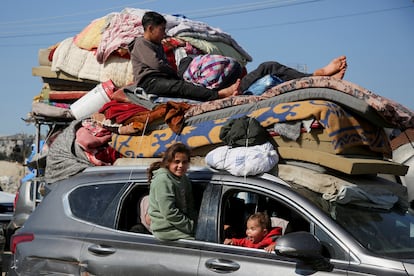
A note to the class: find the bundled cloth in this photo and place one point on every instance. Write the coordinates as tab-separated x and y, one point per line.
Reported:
79	146
243	131
247	150
243	161
65	157
213	71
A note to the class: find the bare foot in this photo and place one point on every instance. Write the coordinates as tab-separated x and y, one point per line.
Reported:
340	75
232	90
336	68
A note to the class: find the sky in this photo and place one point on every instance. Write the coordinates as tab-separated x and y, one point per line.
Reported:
377	36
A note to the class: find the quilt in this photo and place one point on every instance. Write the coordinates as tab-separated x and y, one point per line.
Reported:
344	128
82	64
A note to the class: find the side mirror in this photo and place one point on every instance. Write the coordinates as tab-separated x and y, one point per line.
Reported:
304	247
298	245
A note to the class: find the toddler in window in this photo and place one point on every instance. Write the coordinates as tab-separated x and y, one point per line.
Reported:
259	233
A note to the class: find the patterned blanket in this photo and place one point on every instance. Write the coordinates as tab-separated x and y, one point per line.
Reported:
391	113
345	129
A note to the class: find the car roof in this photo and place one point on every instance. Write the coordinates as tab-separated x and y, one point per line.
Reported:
288	175
139	173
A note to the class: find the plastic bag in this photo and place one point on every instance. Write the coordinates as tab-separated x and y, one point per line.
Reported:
263	84
243	161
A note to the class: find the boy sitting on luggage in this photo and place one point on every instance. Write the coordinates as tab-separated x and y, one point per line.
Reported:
259	233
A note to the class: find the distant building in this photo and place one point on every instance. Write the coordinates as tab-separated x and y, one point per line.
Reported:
16	147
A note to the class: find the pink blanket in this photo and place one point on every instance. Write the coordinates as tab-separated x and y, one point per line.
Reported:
122	30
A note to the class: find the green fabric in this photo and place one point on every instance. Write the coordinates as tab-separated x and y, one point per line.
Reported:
171	206
243	131
217	48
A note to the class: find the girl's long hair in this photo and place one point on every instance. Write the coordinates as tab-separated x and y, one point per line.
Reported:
168	158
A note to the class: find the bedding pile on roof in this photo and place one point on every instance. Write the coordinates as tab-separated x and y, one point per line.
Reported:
321	114
100	52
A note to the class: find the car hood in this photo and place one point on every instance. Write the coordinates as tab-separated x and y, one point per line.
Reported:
409	266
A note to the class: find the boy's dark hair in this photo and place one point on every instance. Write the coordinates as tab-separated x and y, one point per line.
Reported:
152	18
262	218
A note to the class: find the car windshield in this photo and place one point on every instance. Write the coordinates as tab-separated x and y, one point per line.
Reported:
389	233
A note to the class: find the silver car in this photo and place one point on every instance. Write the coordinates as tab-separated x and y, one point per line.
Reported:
27	197
87	225
6	213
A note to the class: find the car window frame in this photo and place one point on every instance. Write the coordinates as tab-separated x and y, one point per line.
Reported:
108	218
201	186
139	184
295	206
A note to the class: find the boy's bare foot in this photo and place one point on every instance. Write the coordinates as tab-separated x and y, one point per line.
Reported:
340	75
336	68
232	90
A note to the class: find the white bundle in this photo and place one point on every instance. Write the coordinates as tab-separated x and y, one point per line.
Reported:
243	161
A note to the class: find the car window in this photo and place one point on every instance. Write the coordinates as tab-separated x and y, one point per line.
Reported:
129	215
386	232
331	248
93	211
238	204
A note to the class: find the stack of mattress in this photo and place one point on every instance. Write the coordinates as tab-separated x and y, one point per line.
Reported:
333	118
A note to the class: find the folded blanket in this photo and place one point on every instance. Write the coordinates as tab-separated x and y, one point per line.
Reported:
93	139
82	64
91	136
90	37
122	30
119	111
216	48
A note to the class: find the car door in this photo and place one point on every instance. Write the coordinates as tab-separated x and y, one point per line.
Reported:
113	248
217	258
114	252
